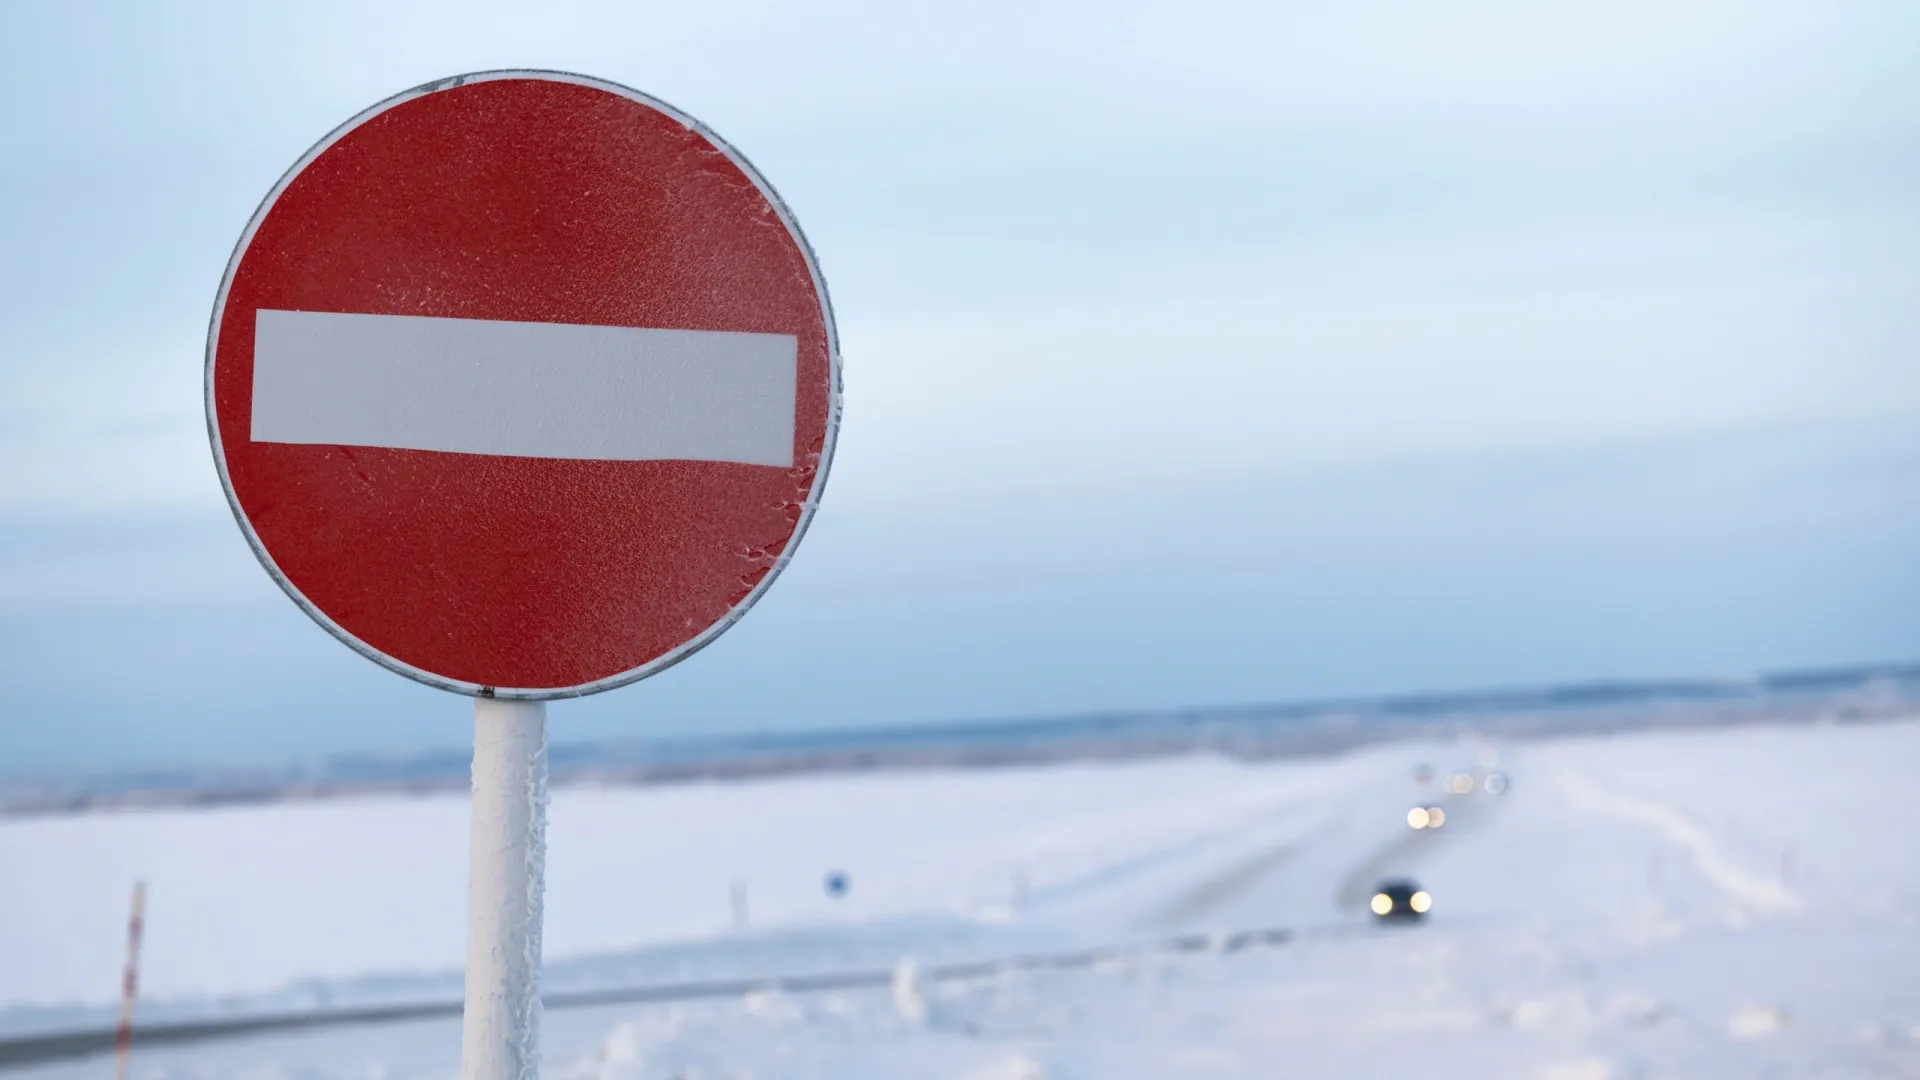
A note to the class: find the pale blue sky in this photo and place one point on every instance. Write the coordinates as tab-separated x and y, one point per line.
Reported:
1195	353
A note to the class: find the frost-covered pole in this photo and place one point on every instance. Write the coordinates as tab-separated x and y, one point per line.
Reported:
129	982
506	878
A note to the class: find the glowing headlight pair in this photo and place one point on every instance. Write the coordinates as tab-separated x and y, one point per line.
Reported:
1426	817
1420	902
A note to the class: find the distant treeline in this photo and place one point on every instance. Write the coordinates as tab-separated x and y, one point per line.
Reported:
1840	695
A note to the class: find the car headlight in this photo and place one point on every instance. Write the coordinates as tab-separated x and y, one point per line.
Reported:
1419	817
1420	903
1436	817
1382	903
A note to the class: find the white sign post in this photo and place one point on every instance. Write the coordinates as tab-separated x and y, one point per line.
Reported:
506	881
524	385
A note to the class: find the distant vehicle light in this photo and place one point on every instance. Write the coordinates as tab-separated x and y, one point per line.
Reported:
1495	783
1398	900
1436	817
1461	784
1419	817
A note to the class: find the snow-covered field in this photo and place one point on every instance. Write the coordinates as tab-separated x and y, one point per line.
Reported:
1740	903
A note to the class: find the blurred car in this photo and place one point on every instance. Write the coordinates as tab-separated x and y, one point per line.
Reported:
1398	900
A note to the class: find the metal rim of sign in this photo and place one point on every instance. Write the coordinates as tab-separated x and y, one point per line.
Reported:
672	656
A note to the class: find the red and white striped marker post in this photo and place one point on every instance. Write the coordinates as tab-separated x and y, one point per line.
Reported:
524	385
129	983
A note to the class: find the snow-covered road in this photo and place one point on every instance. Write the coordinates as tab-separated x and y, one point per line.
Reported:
1732	903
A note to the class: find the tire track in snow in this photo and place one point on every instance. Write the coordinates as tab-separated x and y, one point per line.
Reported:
1227	884
1702	847
1196	870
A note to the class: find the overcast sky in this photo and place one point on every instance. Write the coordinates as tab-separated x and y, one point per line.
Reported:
1195	353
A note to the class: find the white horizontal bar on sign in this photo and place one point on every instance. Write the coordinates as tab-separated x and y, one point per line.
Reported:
521	389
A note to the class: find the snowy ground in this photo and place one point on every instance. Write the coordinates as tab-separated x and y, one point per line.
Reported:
1741	903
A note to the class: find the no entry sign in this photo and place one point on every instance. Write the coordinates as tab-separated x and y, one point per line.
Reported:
523	384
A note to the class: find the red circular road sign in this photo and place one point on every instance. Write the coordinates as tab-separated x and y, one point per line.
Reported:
523	383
